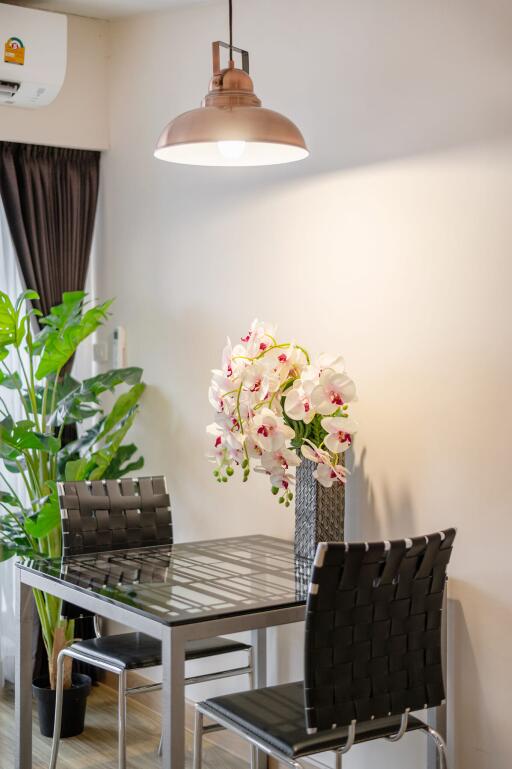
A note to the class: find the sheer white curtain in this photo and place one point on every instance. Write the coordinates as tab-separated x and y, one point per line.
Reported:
10	282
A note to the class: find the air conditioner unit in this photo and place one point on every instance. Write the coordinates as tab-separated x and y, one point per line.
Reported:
33	54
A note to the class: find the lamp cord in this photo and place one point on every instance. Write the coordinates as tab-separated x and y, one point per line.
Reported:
231	29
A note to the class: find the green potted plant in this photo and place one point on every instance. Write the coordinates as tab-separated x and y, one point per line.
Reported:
32	448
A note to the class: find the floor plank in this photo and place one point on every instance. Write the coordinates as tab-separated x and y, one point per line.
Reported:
96	748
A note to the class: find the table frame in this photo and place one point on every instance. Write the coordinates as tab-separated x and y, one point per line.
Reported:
173	640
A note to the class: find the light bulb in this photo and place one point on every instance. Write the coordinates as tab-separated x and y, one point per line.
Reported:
231	150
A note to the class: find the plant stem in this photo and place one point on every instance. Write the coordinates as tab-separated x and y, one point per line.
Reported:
30	390
284	346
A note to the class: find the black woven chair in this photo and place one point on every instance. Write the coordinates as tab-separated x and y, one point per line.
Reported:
372	655
113	515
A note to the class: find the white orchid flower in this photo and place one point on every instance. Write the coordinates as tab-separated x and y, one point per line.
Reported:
261	380
332	391
279	461
339	431
253	401
326	475
324	362
259	338
287	362
297	402
328	361
270	431
314	454
219	450
281	480
252	446
218	394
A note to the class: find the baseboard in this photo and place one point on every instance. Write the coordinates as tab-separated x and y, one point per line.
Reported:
228	741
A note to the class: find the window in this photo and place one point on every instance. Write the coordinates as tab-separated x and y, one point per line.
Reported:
10	283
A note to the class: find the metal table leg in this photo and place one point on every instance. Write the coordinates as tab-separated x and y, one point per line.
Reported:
173	699
23	675
259	642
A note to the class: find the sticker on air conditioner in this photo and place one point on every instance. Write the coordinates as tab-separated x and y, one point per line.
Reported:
14	51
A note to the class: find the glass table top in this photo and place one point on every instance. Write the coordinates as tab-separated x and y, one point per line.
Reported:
183	583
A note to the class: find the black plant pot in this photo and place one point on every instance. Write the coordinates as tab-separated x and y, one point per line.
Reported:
73	708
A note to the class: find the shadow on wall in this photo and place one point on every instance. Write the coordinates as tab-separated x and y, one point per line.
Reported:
395	517
471	732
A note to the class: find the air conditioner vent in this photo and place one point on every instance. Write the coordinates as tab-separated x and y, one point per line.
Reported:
8	89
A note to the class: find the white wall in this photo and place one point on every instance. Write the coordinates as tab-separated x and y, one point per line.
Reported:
391	244
79	115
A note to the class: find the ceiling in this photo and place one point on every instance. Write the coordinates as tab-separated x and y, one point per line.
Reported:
103	9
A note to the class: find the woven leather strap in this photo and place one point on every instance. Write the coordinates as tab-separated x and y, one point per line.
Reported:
114	514
373	629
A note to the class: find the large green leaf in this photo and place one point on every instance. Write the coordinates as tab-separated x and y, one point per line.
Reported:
8	499
104	456
11	381
84	442
20	436
7	551
26	296
123	405
10	463
76	403
13	322
8	321
76	469
40	441
46	519
66	326
120	464
71	404
111	379
8	448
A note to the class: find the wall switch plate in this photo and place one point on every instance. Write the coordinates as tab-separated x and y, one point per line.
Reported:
119	347
100	352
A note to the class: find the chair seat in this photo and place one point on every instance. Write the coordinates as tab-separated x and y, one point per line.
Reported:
137	650
275	716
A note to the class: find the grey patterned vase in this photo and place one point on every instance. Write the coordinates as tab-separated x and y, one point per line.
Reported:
319	512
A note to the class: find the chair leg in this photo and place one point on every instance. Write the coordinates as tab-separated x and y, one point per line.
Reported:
339	759
250	663
442	751
160	744
59	696
121	720
198	739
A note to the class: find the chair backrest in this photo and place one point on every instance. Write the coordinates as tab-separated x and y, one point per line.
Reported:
373	629
114	514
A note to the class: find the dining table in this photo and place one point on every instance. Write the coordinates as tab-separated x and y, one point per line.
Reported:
175	593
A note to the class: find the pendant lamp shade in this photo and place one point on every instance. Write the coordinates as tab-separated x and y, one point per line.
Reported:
231	128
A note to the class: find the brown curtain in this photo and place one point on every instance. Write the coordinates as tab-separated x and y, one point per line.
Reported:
50	196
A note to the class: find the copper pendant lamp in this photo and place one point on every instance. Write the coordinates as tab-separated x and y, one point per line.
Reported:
231	128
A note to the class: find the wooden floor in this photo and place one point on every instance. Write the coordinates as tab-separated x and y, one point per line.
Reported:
96	748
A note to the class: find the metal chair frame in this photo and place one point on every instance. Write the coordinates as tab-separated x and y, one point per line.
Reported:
396	551
124	690
200	730
120	671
